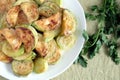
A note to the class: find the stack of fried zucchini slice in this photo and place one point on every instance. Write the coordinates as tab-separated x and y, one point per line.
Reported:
38	31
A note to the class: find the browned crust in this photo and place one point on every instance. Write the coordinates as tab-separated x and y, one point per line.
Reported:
51	23
5	58
26	36
22	18
31	11
12	15
54	58
10	35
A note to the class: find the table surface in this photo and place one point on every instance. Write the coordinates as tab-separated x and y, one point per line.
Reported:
100	67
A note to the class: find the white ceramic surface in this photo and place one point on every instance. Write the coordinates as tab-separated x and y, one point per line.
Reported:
67	57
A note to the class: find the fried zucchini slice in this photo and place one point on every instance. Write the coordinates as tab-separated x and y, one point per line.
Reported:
31	11
53	52
51	48
24	56
7	49
18	2
41	46
55	58
40	65
11	37
46	11
68	23
35	34
56	1
49	35
65	42
22	68
52	5
3	57
27	38
48	8
12	15
46	49
39	2
47	24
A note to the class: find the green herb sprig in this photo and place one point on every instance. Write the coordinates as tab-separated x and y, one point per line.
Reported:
108	17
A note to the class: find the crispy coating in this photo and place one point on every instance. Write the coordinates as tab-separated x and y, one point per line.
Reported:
31	11
3	57
51	23
5	5
54	58
68	23
23	67
12	15
11	37
22	18
27	38
41	47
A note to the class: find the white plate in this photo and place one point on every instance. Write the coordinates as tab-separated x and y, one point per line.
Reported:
68	56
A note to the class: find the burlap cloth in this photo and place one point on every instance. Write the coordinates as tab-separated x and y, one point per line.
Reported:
100	67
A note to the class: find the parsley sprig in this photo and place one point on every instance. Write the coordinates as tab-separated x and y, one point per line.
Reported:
108	17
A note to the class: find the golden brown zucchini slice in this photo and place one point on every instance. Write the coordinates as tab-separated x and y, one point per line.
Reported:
53	53
57	1
40	65
55	58
22	68
18	2
65	42
7	50
46	11
24	56
46	49
3	57
47	24
11	37
35	34
68	23
52	5
12	15
39	2
49	35
27	37
41	46
51	48
31	11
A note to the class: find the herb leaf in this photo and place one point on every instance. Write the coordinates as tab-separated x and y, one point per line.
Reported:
108	17
82	61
